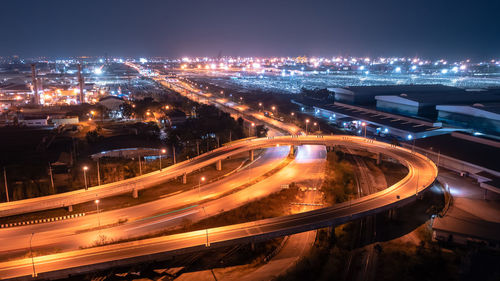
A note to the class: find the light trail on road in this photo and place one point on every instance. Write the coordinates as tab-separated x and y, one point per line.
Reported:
422	174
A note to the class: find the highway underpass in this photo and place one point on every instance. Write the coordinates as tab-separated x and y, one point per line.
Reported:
422	174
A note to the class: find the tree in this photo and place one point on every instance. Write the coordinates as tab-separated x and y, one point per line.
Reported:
261	131
126	110
93	136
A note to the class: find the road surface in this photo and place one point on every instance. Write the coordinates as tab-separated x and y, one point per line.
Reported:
422	174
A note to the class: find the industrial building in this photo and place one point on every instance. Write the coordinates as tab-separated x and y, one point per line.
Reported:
423	105
379	123
482	117
437	106
365	95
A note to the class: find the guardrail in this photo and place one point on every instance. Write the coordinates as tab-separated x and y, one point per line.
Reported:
30	222
399	194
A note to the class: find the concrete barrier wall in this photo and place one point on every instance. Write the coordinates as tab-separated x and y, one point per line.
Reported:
177	170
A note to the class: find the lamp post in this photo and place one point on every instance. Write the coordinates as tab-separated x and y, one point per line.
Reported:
416	189
260	106
32	258
207	244
162	151
202	179
364	125
307	122
98	217
85	168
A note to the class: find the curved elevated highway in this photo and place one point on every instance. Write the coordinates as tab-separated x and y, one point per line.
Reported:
422	174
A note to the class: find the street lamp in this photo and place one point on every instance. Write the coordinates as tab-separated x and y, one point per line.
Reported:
202	179
85	168
98	217
32	258
364	125
250	127
307	122
207	244
160	154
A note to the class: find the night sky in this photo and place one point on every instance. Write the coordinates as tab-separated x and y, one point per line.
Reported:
426	28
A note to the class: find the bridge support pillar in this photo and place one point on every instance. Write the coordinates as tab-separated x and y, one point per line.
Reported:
392	214
379	158
135	193
218	165
250	155
184	178
70	208
292	151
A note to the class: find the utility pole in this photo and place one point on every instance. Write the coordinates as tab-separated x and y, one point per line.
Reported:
51	179
173	153
140	166
98	173
81	83
36	100
5	183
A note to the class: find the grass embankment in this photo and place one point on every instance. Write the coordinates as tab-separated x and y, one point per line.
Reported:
340	181
407	261
393	171
274	205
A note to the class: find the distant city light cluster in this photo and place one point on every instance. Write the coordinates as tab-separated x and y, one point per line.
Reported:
292	66
283	74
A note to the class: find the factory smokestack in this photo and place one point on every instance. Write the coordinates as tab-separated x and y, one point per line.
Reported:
36	99
80	81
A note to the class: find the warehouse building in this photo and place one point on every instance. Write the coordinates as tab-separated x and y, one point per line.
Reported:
365	95
481	117
424	104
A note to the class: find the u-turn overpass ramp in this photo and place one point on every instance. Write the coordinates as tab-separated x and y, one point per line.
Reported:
422	174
